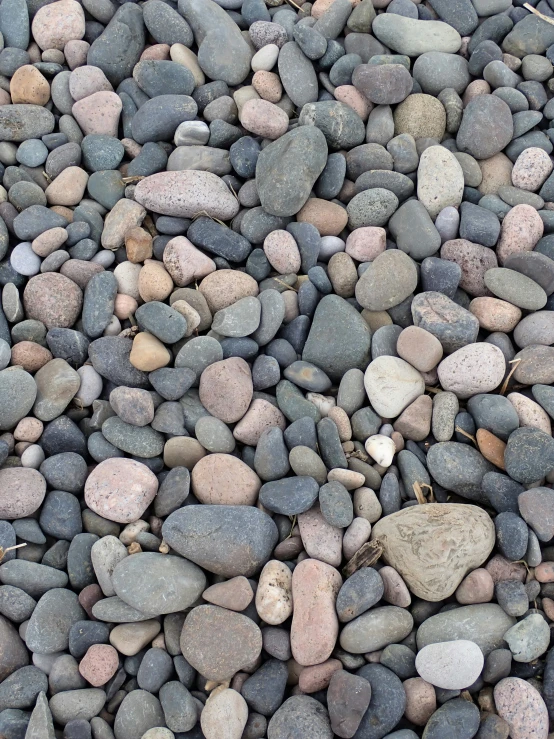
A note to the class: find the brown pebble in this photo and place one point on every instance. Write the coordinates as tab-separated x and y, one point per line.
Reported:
491	447
53	299
29	86
30	356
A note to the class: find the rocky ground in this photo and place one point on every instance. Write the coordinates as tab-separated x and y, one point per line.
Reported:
276	369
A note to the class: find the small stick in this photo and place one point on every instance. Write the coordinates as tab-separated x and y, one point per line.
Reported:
464	433
295	5
132	180
3	551
419	493
543	17
366	556
515	362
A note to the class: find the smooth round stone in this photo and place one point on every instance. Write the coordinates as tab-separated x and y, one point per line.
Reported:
241	543
389	280
223	479
484	624
22	492
274	593
450	665
484	141
392	384
473	369
336	504
339	338
17	392
383	84
120	489
184	194
137	581
219	643
228	706
436	71
226	389
388	701
413	37
359	593
24	260
403	531
440	180
528	454
528	638
376	629
288	168
521	706
454	713
371	208
139	712
141	441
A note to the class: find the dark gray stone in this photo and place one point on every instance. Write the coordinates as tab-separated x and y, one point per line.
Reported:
226	540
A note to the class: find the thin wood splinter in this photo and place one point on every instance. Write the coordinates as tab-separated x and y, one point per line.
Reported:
3	551
366	556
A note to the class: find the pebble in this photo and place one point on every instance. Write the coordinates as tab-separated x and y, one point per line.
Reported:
450	665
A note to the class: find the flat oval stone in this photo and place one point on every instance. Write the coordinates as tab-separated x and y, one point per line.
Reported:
450	665
414	37
120	489
434	546
156	583
187	193
21	122
515	288
376	629
459	468
226	540
315	626
484	624
222	479
218	643
475	368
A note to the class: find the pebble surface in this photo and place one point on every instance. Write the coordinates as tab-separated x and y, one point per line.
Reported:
276	369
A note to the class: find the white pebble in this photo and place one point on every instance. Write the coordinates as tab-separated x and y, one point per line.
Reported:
381	448
192	133
264	59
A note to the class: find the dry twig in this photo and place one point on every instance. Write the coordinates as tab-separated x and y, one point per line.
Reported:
536	12
366	556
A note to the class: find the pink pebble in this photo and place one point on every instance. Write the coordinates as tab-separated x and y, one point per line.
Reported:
87	80
99	664
98	113
282	252
157	51
366	243
75	53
